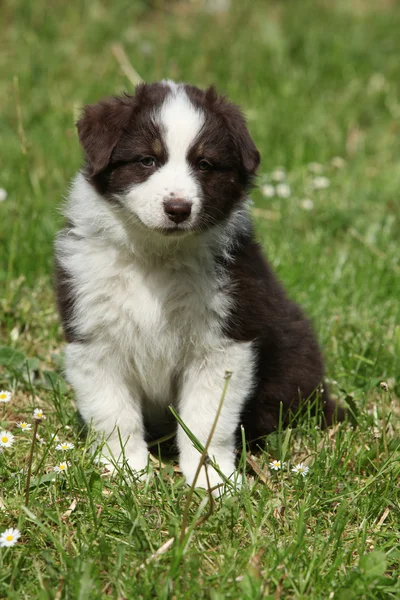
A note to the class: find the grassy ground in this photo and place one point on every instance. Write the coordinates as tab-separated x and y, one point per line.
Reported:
319	80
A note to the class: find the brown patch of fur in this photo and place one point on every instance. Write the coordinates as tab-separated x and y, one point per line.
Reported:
116	133
225	142
289	363
157	148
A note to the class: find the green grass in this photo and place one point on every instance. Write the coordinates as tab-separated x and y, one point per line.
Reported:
318	80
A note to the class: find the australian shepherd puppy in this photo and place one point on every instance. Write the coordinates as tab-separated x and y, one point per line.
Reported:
162	287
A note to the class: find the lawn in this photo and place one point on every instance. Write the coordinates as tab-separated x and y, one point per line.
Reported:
319	82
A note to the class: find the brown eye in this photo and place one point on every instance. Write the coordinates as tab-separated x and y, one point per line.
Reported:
148	161
204	165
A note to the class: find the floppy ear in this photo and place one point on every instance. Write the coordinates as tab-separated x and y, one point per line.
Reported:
246	146
100	128
237	125
250	155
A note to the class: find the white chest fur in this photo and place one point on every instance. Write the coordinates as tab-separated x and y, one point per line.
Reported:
153	321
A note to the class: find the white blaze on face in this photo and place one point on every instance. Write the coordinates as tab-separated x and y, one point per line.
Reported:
179	122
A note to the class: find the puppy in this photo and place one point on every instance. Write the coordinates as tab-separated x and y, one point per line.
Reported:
162	287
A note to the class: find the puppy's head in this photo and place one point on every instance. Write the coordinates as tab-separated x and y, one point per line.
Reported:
176	158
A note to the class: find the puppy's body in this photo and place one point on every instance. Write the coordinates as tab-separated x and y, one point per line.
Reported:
162	288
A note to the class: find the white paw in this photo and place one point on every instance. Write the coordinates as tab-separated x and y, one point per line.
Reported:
209	478
137	462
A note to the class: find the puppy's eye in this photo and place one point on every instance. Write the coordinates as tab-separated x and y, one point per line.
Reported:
148	161
204	165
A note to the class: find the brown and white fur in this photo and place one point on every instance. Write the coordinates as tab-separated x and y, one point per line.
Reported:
162	287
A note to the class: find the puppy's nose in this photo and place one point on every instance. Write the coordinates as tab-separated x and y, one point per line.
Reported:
177	209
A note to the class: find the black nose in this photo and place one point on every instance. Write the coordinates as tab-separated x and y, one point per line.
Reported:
177	209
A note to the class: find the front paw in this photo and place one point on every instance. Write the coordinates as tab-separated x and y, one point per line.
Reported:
137	462
209	478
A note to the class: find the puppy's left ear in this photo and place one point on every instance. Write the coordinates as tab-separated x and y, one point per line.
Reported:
237	125
100	128
250	155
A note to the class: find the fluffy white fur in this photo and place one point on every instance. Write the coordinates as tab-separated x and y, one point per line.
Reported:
150	307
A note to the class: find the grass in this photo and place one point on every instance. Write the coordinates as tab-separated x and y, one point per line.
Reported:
318	80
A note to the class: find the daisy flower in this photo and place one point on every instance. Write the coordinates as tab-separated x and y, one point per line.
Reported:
24	426
5	396
6	439
268	190
278	174
9	537
338	162
276	465
283	190
3	194
38	414
40	439
301	469
65	446
321	183
60	468
307	204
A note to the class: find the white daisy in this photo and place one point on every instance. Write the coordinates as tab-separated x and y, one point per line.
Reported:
40	439
307	204
6	439
38	414
9	537
276	465
3	194
338	162
301	469
55	438
65	446
5	396
321	183
268	190
283	190
24	426
278	174
60	468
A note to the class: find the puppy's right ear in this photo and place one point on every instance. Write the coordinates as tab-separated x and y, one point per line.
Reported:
100	128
